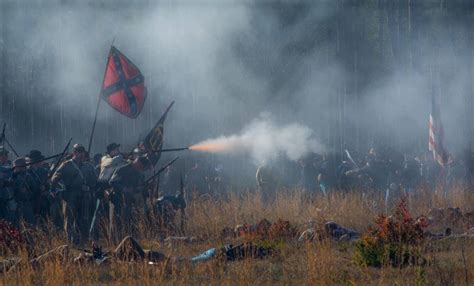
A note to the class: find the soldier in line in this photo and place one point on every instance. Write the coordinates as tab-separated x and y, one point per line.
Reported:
345	180
372	175
112	160
308	175
104	166
39	173
8	205
266	183
127	184
137	152
112	151
23	188
75	198
89	198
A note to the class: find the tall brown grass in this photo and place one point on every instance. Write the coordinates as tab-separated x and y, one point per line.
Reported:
315	263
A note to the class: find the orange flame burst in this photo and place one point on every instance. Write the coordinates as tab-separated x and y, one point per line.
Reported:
211	147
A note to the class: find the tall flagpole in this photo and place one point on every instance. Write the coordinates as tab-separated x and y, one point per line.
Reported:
93	126
98	101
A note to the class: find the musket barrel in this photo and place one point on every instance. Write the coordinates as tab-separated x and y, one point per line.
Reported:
60	158
42	160
11	146
174	149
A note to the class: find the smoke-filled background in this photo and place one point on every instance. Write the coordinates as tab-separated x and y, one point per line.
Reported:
326	75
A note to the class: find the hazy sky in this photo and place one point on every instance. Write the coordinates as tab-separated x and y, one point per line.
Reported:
227	63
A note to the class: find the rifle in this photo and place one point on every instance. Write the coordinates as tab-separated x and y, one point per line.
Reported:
147	181
10	145
60	158
3	140
39	161
172	149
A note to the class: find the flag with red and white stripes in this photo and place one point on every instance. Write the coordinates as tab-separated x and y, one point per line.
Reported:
436	134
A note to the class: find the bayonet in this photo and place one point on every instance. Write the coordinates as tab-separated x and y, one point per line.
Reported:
160	171
350	158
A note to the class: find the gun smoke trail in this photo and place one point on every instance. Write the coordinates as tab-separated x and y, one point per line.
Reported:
264	141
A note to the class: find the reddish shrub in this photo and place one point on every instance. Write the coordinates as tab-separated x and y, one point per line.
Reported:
395	239
10	237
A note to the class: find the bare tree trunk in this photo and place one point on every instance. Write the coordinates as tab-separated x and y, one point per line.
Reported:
3	61
470	89
410	55
334	99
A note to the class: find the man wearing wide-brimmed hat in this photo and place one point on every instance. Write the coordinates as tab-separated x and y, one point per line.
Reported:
110	162
39	173
23	186
127	182
34	156
76	194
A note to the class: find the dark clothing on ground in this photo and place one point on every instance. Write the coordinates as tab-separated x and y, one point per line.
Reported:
128	250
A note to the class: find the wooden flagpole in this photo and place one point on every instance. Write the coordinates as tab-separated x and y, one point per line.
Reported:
98	101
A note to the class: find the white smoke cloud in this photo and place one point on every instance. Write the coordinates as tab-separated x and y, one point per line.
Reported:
223	64
264	140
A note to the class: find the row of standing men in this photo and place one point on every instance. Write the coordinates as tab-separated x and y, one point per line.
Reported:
70	197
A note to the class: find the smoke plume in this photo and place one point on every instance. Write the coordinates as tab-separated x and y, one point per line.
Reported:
264	141
359	74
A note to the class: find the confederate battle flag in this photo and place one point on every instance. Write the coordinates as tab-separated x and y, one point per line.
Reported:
124	85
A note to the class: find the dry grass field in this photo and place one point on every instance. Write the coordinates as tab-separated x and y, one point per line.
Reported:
325	262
